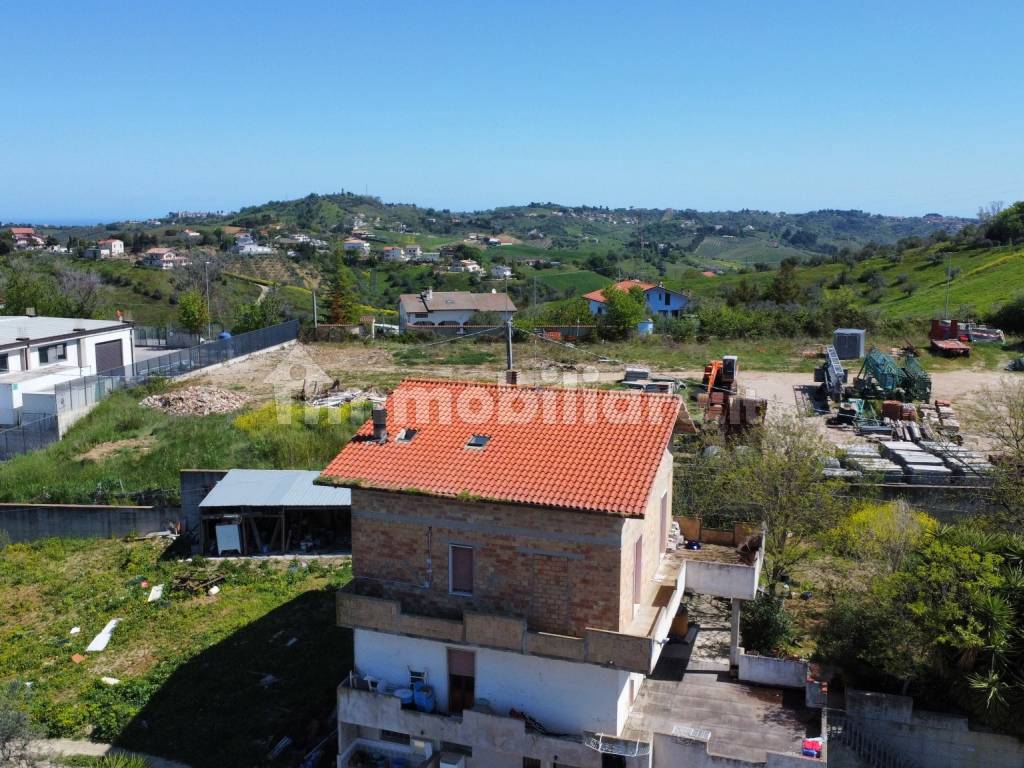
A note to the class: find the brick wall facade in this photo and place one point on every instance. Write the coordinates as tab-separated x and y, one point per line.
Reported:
562	571
650	527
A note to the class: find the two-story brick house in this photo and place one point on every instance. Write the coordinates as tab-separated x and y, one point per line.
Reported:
509	550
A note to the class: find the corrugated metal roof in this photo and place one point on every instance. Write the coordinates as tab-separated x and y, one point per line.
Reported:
274	488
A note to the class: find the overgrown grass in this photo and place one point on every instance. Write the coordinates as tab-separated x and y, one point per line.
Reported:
147	471
445	355
192	670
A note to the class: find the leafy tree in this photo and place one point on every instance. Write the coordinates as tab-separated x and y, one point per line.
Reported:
1007	225
258	314
193	313
784	288
571	311
777	477
1001	415
341	294
26	287
623	310
944	626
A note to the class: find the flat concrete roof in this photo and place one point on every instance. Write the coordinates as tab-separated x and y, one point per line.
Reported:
14	329
37	380
745	721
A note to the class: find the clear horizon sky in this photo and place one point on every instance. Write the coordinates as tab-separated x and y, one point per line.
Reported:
131	109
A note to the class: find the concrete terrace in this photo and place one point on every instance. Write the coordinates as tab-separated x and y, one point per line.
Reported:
745	721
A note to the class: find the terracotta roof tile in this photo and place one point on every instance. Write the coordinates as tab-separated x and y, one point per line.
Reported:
622	285
595	450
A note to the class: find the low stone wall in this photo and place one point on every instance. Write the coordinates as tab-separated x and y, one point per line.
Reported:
28	522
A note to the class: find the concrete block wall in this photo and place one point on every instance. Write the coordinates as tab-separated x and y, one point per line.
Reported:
931	738
559	570
195	484
766	670
28	522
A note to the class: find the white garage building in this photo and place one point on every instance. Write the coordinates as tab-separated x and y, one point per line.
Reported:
37	353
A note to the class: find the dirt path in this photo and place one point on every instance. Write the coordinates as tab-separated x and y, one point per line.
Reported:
66	747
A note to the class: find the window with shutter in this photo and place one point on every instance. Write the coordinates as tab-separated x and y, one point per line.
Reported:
460	560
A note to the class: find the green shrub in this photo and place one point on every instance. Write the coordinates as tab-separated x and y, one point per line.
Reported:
765	626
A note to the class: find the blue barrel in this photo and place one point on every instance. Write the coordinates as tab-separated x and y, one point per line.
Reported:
424	698
405	695
645	327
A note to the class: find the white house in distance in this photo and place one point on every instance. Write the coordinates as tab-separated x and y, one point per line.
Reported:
413	252
500	271
432	308
37	353
466	265
163	258
355	245
395	253
110	248
660	300
190	236
246	245
26	237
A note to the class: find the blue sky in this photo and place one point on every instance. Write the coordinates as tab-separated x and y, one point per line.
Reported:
131	109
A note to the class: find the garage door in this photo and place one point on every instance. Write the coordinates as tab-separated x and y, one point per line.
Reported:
108	355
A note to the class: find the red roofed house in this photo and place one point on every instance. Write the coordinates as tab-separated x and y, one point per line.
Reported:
511	558
660	300
26	237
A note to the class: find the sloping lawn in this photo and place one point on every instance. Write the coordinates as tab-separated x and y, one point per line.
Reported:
210	680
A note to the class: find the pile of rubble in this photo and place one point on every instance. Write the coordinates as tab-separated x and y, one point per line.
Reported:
196	401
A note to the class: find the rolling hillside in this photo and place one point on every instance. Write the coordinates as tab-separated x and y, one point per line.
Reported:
983	279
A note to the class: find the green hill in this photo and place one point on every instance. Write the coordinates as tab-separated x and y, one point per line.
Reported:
914	286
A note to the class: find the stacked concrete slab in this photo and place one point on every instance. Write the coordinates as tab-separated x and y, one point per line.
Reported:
866	459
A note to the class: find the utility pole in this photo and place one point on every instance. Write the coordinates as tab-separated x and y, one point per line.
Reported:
209	317
508	344
315	316
949	275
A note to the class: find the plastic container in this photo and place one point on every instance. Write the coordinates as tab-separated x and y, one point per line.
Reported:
424	698
405	695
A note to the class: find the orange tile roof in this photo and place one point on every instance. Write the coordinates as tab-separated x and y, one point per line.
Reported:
622	285
581	449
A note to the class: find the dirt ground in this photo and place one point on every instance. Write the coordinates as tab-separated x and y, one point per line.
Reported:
284	372
137	445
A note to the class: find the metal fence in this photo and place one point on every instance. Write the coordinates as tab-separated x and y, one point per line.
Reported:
30	435
83	392
164	337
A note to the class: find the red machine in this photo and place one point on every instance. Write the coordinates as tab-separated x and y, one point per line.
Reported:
947	340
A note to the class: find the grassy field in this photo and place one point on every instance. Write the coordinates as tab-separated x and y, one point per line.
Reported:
579	281
144	295
745	250
209	680
123	452
984	278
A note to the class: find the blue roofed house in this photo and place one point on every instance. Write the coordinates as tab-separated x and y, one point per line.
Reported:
660	300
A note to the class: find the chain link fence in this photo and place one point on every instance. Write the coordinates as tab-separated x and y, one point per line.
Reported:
30	435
